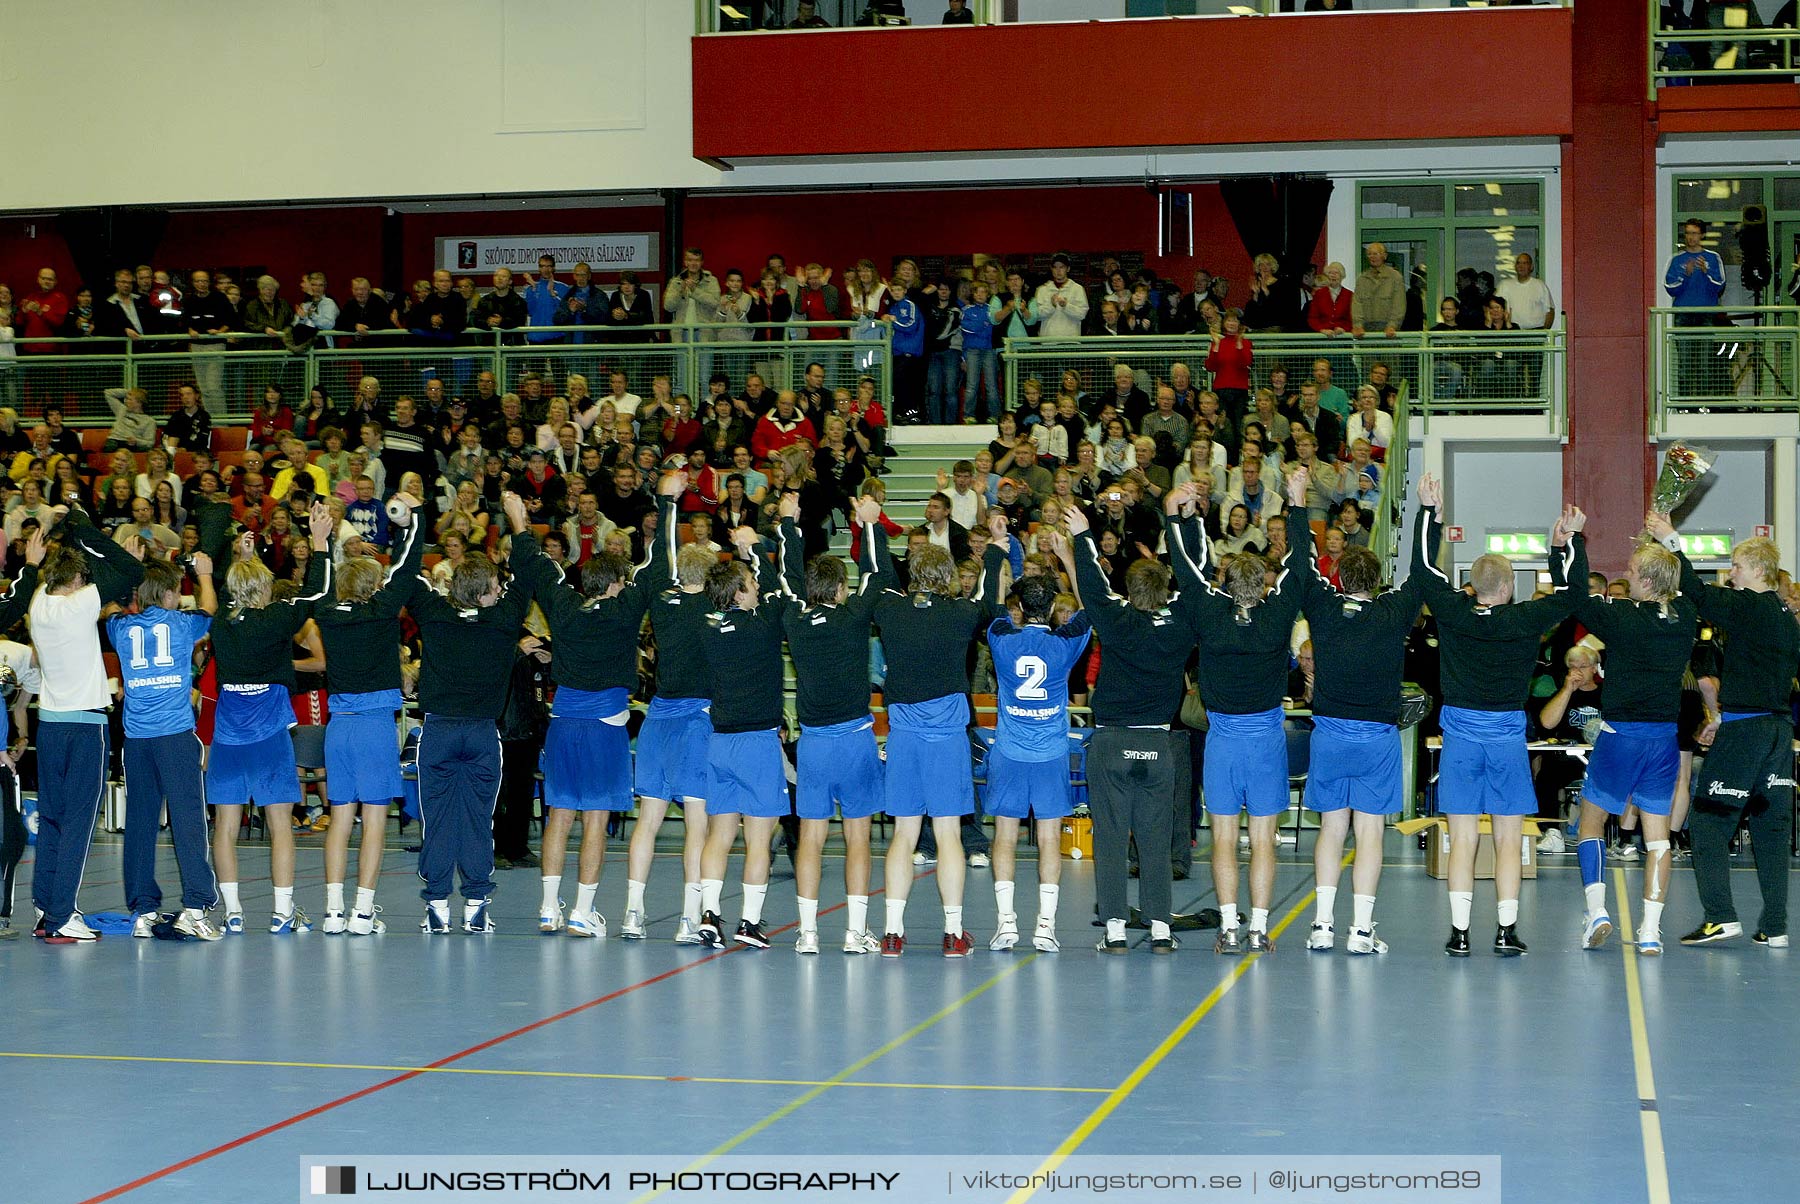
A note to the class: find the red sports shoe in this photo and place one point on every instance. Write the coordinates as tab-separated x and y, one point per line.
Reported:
892	944
958	946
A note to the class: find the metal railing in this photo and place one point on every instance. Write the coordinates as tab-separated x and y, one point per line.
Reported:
1741	359
1462	372
1721	53
232	375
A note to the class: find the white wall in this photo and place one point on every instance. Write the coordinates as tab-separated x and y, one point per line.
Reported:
119	102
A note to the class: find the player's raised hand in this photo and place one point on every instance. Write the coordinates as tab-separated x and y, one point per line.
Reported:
1075	520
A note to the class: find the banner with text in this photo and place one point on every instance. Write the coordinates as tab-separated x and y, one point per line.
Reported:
606	254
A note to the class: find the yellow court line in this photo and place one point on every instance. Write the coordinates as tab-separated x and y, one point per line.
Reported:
840	1078
1118	1094
548	1074
1656	1164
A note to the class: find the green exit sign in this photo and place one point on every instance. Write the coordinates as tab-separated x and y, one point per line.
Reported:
1522	545
1712	545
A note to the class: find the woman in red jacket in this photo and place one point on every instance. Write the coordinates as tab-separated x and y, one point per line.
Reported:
1229	363
1329	312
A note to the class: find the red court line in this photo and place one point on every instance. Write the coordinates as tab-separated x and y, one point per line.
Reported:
297	1118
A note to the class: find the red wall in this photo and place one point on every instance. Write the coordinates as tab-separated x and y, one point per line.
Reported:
837	229
1324	77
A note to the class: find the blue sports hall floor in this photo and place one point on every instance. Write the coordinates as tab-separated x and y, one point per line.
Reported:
150	1070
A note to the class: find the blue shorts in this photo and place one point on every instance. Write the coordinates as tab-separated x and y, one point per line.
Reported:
929	769
362	759
1246	764
749	775
671	751
1356	764
1485	769
587	765
263	773
1634	763
840	769
1038	789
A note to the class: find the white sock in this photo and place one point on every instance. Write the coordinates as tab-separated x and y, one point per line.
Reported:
1327	905
1115	930
1003	897
1259	919
753	902
896	916
711	891
953	920
634	896
584	896
334	896
1228	915
1159	931
1650	929
1509	912
365	900
470	907
1048	894
441	909
229	892
809	915
693	896
1461	902
284	900
1364	906
1596	897
552	888
859	913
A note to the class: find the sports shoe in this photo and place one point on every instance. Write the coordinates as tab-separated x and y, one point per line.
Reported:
1323	938
979	861
1777	941
806	942
367	923
688	933
712	926
1229	942
1599	927
1552	842
7	931
1261	942
1458	944
334	924
234	923
75	929
143	926
1119	946
434	923
1044	939
633	927
1650	946
550	919
1362	942
1165	944
193	922
1709	932
1507	942
1006	935
293	921
475	916
958	945
589	923
923	858
893	944
1623	851
320	822
859	943
751	935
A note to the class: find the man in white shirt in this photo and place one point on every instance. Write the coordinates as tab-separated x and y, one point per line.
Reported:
1062	305
1527	297
625	402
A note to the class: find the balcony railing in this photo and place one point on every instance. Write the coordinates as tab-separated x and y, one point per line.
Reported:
1734	48
1716	360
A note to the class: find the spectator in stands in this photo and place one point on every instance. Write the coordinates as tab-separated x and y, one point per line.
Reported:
271	419
1380	300
944	531
443	313
1350	524
120	315
316	312
583	305
365	312
1323	481
190	426
818	301
690	297
1331	397
1013	312
1167	419
132	429
143	526
730	317
1109	321
253	509
66	486
267	314
297	473
80	322
1116	454
1527	297
502	309
333	459
543	299
1322	423
781	427
41	314
1329	312
1061	304
1239	535
958	13
1271	305
367	405
1255	495
115	494
156	472
907	322
1198	469
1334	552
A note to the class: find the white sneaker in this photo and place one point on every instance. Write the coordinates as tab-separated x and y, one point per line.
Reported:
234	923
143	926
979	861
551	919
687	932
1323	938
334	924
633	927
367	923
77	929
1362	942
1623	851
806	942
193	922
1006	935
1551	841
1044	939
290	922
861	942
1598	927
586	923
922	859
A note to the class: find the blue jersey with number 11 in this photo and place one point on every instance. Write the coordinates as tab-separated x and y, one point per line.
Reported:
1031	668
156	665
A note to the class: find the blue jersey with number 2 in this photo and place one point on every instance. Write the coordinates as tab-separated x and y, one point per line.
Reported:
156	665
1031	668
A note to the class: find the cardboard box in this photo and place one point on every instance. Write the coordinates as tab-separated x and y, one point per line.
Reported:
1437	847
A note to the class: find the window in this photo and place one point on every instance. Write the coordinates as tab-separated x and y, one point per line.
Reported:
1720	202
1448	225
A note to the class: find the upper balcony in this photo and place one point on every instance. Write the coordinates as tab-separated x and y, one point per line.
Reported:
1734	67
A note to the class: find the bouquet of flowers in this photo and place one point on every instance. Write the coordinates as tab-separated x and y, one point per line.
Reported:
1683	466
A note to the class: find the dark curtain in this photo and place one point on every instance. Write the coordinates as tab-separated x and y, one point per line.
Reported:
1280	215
104	240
